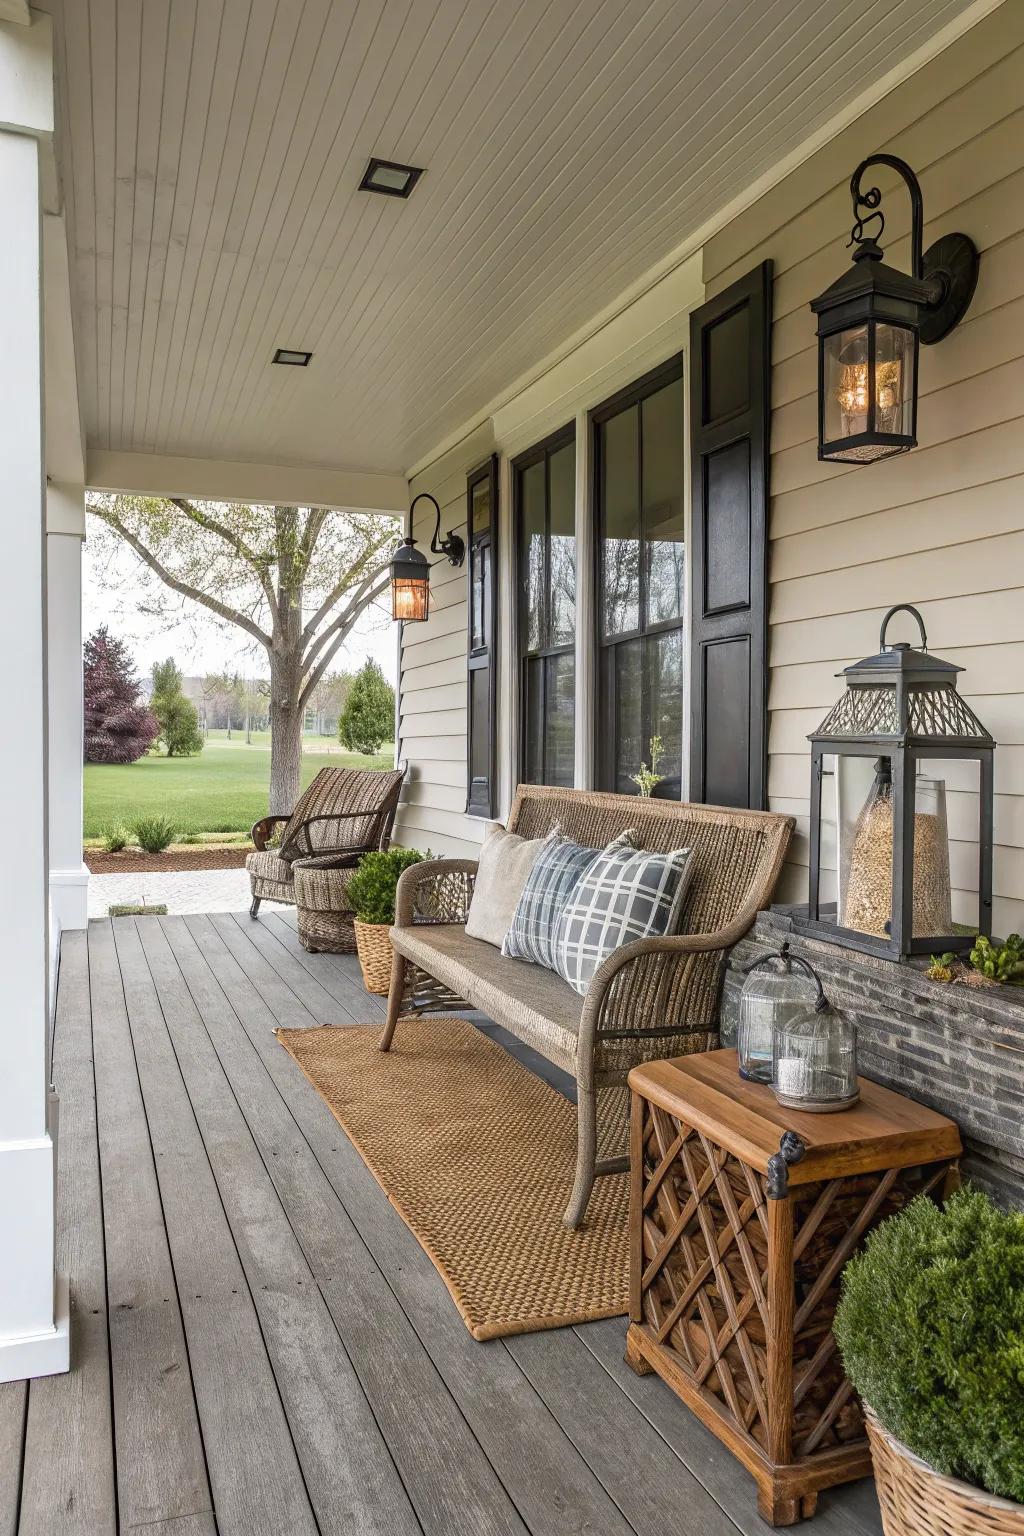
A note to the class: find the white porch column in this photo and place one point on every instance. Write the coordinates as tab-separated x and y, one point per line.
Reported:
33	1307
69	878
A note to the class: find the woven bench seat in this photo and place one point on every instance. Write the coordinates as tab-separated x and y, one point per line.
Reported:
532	1003
649	999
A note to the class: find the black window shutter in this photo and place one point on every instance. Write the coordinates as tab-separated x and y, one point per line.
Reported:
730	362
482	631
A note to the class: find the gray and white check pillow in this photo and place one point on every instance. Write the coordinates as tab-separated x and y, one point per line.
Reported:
625	894
549	885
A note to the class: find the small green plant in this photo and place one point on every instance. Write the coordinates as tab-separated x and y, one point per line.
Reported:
931	1329
154	833
942	967
115	840
647	779
1000	962
371	889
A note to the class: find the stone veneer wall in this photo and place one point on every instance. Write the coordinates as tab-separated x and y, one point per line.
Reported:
958	1049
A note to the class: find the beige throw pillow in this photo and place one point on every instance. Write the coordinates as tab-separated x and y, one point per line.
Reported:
506	860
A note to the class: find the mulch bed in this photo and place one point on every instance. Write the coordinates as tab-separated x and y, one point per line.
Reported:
132	861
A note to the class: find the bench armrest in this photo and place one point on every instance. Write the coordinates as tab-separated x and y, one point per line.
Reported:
436	891
263	829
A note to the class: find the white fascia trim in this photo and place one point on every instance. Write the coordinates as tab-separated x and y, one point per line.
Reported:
868	98
25	1356
153	474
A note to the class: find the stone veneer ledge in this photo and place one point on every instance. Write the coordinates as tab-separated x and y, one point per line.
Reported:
958	1049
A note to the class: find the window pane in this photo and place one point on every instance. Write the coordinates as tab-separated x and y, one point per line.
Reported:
630	748
665	707
620	523
533	721
662	418
480	594
531	488
562	492
560	725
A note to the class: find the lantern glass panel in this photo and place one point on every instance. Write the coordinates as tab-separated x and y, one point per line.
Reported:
868	387
409	598
957	848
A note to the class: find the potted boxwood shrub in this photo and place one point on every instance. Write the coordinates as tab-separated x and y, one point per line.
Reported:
931	1329
371	894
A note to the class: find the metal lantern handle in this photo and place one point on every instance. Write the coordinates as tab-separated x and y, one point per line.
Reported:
787	957
902	608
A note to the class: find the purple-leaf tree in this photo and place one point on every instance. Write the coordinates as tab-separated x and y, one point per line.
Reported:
118	727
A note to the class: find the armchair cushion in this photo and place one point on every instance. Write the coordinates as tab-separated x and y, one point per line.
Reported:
506	860
626	893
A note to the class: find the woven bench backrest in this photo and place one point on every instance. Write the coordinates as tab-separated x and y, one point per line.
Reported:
735	852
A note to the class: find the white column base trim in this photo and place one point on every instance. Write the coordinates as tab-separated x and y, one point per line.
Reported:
69	897
41	1354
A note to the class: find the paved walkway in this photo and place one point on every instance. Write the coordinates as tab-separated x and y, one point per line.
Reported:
197	890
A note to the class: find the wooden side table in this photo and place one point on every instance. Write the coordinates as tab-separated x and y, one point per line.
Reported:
742	1215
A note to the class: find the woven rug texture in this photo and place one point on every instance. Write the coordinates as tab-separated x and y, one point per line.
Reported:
477	1156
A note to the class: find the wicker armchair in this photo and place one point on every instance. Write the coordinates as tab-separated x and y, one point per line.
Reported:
649	999
344	813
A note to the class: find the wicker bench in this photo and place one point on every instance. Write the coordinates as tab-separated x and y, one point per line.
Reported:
650	999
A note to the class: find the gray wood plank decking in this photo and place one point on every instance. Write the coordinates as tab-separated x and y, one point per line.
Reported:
260	1346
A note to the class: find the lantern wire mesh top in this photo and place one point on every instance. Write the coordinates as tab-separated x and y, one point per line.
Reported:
903	693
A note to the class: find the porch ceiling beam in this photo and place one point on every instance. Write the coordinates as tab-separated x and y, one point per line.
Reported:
16	11
151	474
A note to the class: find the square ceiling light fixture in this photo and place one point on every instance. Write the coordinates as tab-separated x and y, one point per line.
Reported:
292	357
390	178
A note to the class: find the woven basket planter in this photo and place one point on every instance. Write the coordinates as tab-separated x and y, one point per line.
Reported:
918	1501
375	955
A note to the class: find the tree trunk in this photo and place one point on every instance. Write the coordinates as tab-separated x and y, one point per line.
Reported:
285	734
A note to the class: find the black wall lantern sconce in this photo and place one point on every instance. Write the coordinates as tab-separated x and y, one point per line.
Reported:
870	322
410	568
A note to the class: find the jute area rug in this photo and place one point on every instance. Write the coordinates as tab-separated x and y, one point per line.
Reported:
477	1156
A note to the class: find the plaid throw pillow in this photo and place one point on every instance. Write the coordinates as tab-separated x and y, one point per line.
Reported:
624	894
549	885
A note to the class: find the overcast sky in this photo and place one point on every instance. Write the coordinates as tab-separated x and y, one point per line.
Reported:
198	642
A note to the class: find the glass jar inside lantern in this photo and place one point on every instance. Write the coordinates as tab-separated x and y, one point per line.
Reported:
865	876
814	1056
774	994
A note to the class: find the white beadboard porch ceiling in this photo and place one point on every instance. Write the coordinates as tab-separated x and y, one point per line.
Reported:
212	151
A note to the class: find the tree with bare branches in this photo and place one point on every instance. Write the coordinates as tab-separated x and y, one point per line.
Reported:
295	580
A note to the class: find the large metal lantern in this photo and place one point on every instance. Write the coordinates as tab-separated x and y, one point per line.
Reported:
870	322
881	873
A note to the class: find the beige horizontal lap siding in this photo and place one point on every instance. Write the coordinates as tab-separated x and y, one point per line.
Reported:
942	527
432	701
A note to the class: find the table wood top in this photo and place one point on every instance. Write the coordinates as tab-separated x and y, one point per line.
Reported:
883	1130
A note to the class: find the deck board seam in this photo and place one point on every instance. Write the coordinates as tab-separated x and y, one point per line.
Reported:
134	922
278	920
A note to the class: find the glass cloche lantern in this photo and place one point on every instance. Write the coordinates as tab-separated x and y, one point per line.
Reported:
775	993
814	1056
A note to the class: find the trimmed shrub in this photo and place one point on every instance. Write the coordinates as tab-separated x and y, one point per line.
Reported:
931	1329
371	890
115	840
368	718
154	833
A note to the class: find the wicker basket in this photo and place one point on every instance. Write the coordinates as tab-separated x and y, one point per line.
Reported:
917	1501
375	955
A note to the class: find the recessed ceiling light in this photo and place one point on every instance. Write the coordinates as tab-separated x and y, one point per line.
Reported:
390	178
292	358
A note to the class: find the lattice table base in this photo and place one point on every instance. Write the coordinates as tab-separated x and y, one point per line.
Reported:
734	1282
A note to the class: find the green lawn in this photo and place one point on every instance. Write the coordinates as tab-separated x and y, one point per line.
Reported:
224	789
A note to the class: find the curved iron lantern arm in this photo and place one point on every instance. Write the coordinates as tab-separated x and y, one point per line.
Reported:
451	546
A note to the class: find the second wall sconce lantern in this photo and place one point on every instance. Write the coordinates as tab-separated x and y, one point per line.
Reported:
870	322
410	568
